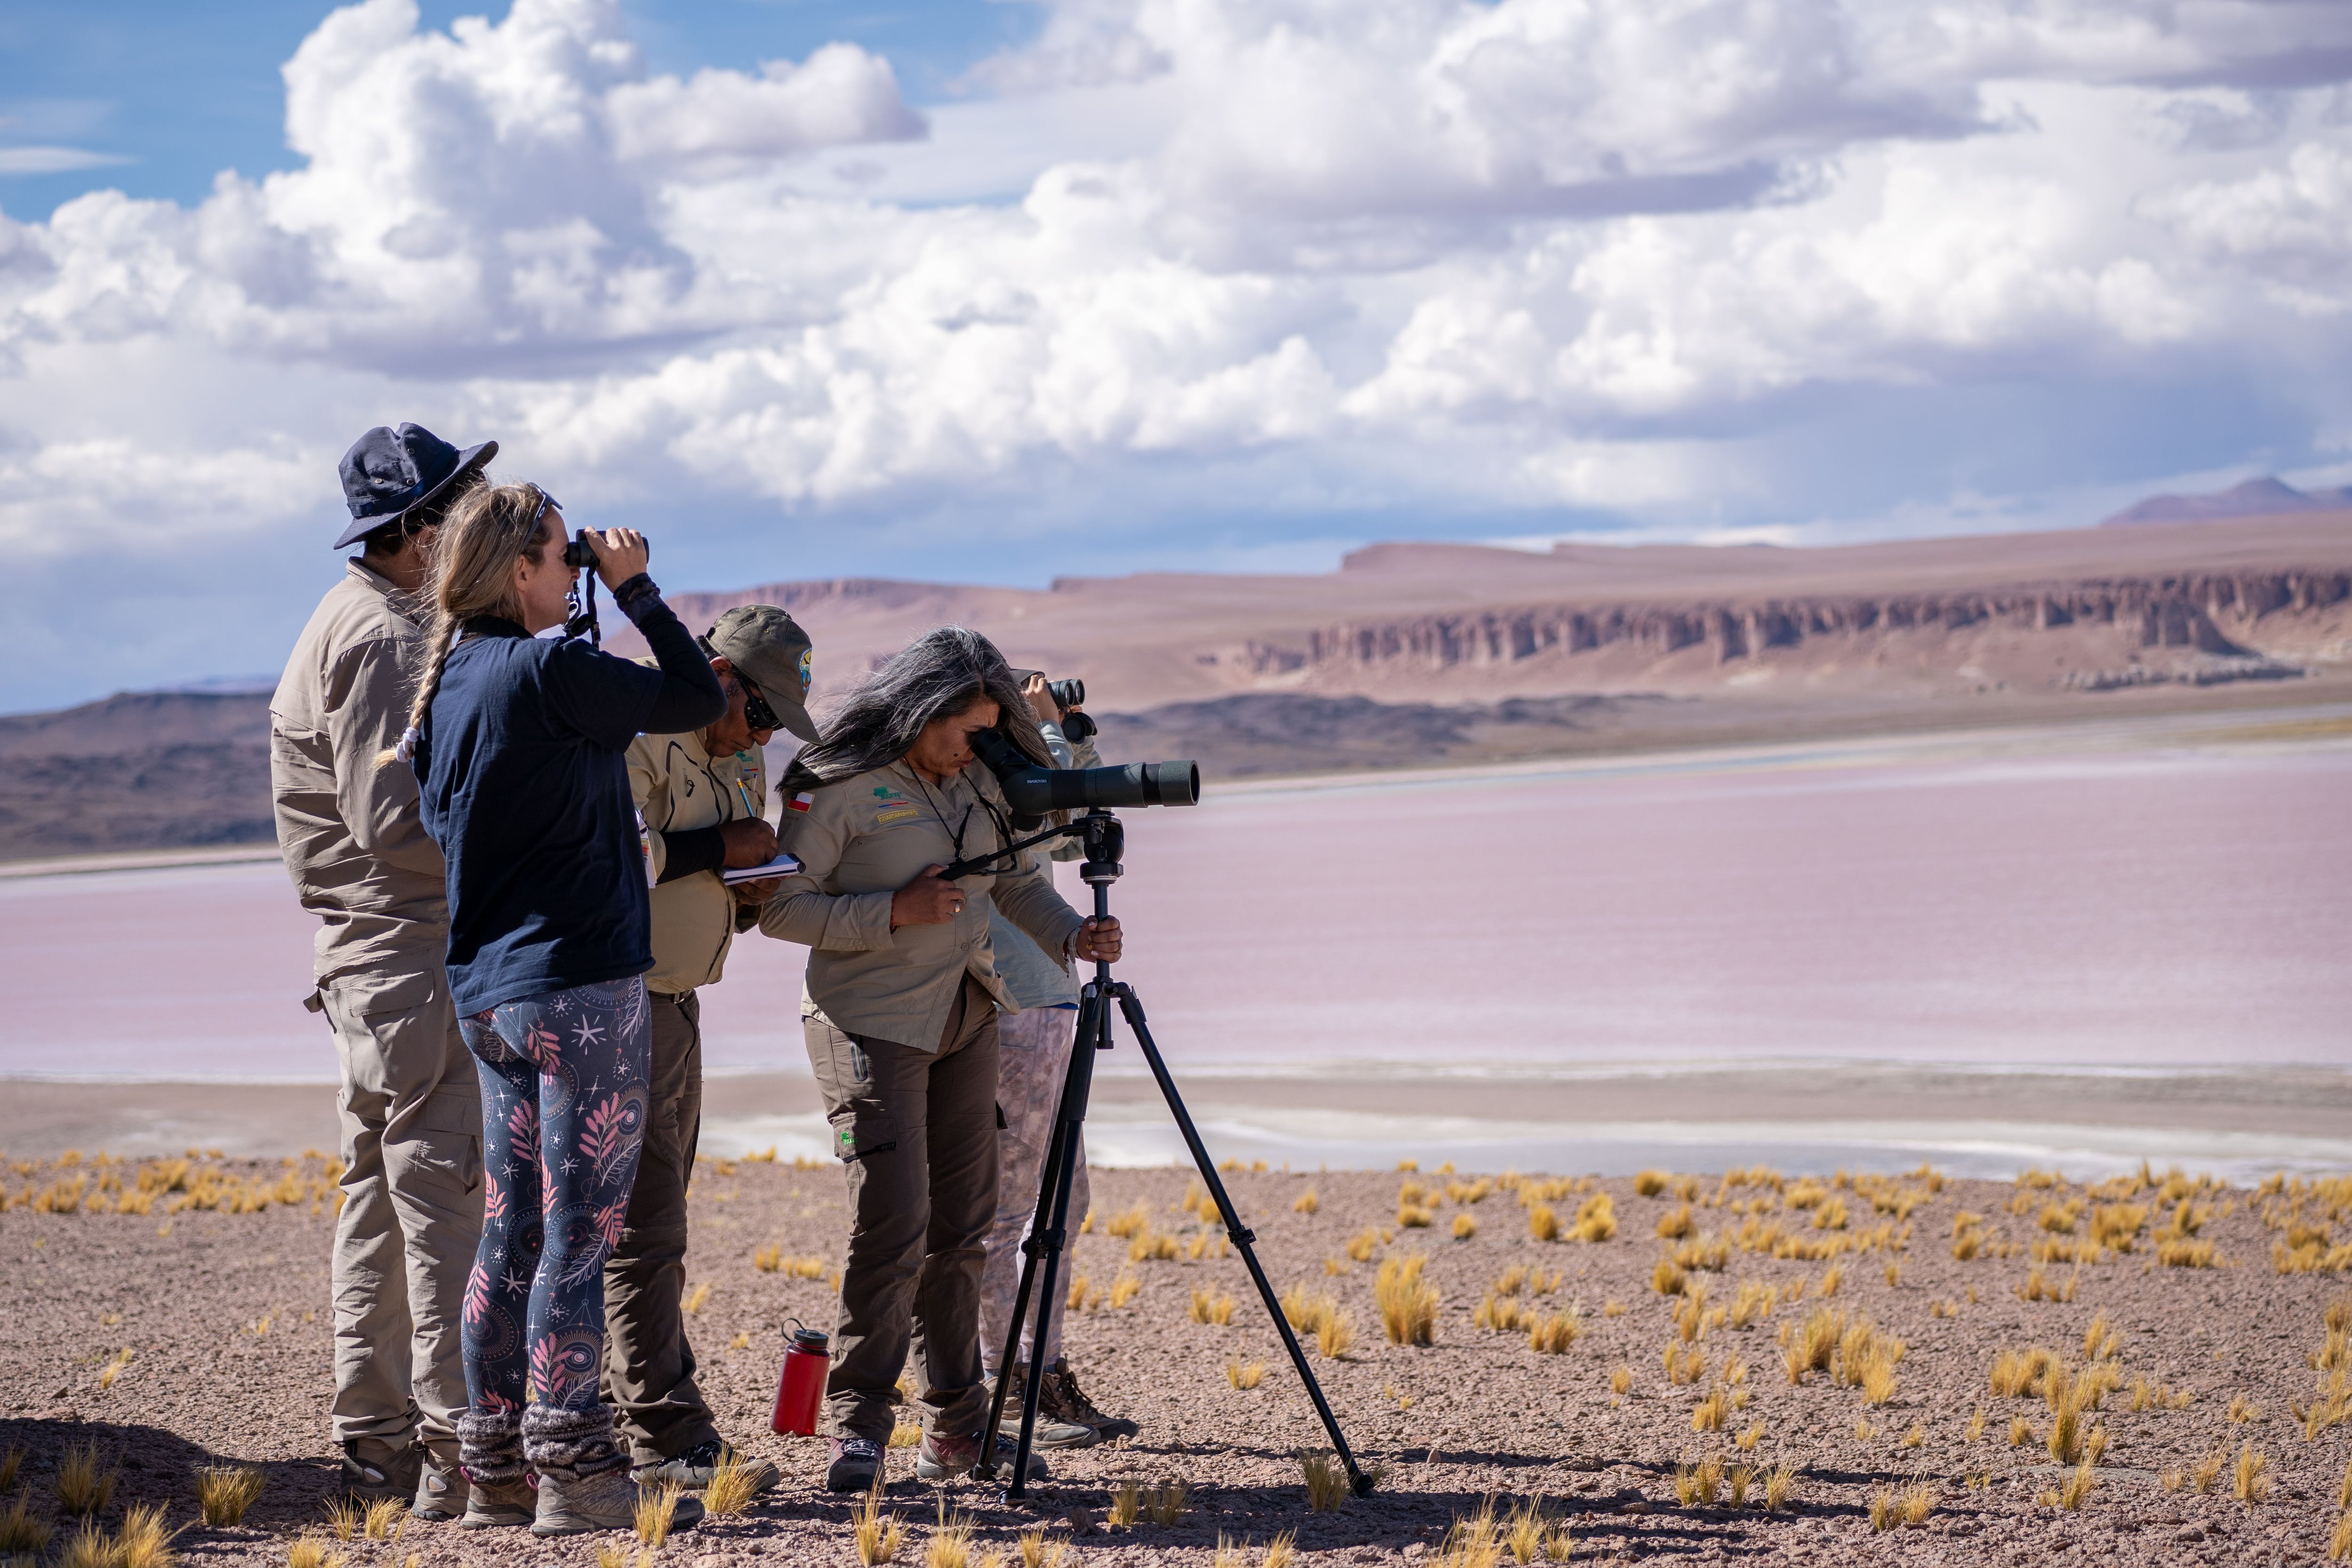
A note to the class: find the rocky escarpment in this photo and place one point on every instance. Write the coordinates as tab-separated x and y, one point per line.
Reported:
2234	615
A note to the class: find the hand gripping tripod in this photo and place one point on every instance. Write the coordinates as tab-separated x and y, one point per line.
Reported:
1105	839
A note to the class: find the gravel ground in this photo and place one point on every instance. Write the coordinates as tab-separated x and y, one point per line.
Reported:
224	1316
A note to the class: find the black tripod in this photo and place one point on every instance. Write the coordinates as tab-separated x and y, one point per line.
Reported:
1105	839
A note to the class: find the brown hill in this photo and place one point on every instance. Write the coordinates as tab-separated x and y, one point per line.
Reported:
2029	617
1411	654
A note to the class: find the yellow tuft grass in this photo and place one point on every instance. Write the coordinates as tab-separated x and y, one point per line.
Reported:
1123	1288
657	1510
906	1435
1126	1505
1335	1336
1780	1487
1749	1436
878	1535
951	1542
1621	1380
141	1542
1554	1334
1169	1501
81	1486
1650	1184
22	1533
1363	1244
1283	1550
308	1551
1674	1224
699	1298
1407	1302
1543	1224
1130	1222
1326	1481
224	1493
384	1519
1708	1414
2074	1491
1306	1202
2208	1470
1466	1225
733	1484
1244	1374
1036	1551
2249	1483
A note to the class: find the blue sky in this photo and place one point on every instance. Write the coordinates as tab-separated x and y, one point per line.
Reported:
1007	291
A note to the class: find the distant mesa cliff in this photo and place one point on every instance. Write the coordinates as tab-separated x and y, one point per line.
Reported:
2214	614
2266	497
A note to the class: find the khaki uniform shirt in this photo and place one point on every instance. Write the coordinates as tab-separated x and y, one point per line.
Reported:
348	828
860	840
679	787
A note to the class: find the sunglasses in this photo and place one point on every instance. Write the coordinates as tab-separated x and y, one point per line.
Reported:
756	711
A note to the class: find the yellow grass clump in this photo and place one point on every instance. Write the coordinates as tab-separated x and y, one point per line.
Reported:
1596	1219
1466	1225
1335	1336
1554	1334
1306	1202
733	1484
1363	1244
224	1493
1326	1478
878	1535
2074	1491
1407	1302
2249	1479
23	1533
1244	1374
83	1487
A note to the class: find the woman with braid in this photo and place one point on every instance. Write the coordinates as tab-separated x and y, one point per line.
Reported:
518	744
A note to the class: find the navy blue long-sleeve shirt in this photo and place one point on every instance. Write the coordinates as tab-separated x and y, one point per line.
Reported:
525	787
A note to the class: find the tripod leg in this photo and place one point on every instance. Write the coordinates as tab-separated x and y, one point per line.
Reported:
1357	1481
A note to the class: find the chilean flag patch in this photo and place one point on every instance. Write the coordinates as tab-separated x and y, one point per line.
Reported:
800	801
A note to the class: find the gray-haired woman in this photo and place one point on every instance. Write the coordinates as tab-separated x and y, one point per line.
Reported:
901	1020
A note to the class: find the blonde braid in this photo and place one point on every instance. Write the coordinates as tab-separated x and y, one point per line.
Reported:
444	637
472	575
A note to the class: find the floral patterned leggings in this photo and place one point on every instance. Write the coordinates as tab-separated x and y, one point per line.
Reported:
563	1115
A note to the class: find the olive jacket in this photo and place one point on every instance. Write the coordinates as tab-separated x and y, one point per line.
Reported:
861	839
349	830
680	787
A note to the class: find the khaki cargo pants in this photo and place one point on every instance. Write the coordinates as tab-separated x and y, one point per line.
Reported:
649	1363
918	1131
411	1113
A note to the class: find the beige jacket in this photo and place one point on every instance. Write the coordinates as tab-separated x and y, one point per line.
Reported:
349	830
862	839
679	787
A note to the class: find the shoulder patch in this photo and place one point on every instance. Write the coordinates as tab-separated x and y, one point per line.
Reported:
801	802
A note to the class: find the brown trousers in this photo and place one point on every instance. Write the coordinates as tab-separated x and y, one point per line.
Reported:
918	1131
649	1363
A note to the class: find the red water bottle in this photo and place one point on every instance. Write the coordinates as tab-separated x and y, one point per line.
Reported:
799	1391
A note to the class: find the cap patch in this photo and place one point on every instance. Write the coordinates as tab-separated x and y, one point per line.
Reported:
804	670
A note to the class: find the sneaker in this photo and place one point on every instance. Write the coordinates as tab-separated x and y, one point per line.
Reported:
694	1469
490	1504
375	1470
1059	1396
942	1458
604	1501
856	1462
441	1491
1048	1432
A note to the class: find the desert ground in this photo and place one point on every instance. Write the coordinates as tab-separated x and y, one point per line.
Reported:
2151	1370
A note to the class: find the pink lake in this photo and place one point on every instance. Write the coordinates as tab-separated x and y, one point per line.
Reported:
2156	910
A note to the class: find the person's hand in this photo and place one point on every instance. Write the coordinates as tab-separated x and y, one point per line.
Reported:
1098	941
749	841
621	555
1041	700
757	892
926	900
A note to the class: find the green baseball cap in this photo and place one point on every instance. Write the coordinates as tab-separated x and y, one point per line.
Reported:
768	646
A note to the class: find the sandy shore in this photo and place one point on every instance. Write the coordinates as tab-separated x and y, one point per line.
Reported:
230	1361
1867	1116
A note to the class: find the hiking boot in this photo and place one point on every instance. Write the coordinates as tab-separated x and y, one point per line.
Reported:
490	1504
694	1469
940	1459
1059	1396
856	1462
441	1491
375	1470
607	1500
1049	1433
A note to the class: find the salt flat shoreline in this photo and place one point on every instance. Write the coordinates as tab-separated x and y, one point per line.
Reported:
2282	1112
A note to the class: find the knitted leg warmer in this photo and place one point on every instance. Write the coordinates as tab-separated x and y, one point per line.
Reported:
571	1445
489	1447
